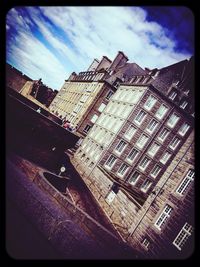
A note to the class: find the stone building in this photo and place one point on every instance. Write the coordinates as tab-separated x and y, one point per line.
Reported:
15	79
39	93
84	96
138	160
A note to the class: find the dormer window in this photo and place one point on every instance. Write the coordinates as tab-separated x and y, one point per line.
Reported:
173	95
183	104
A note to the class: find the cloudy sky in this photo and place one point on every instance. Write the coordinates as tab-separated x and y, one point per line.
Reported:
51	42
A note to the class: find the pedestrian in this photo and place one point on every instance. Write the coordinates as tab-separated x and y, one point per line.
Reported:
39	110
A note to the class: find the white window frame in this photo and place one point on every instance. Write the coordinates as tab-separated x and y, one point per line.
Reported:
140	114
145	161
163	217
161	133
113	162
94	118
146	243
164	159
153	123
183	129
185	183
130	132
160	117
122	168
120	147
183	236
146	185
174	143
137	178
133	150
153	149
150	102
110	197
101	107
153	171
184	104
173	95
171	123
139	140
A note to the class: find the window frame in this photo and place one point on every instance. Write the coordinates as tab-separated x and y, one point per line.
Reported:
125	171
107	166
153	169
88	129
137	143
183	236
163	217
176	145
130	177
143	168
118	145
128	130
142	120
174	124
166	110
155	126
148	99
180	131
161	159
185	183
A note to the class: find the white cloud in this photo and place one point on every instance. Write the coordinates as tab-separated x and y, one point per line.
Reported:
101	31
92	32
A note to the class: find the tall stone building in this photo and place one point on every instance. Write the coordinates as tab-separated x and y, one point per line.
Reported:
138	159
84	96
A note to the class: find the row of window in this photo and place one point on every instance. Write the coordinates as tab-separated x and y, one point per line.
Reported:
173	94
181	238
173	119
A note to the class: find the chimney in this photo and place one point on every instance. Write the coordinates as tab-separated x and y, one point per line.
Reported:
119	61
104	63
93	65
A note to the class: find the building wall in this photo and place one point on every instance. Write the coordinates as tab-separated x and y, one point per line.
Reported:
15	79
135	222
74	99
96	109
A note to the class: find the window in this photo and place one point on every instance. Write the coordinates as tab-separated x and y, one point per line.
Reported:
165	157
163	134
146	243
91	165
130	132
184	128
153	149
132	155
173	119
122	169
110	197
140	117
183	104
146	185
144	163
152	126
142	141
185	184
134	178
161	111
110	93
120	147
183	236
110	162
155	171
94	118
150	102
174	143
164	216
87	128
172	95
101	107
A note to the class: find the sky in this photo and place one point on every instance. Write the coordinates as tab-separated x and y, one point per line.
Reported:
52	42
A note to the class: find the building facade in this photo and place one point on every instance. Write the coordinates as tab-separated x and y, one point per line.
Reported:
84	96
138	160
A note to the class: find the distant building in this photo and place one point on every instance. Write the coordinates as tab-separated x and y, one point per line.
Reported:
38	92
15	79
138	160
